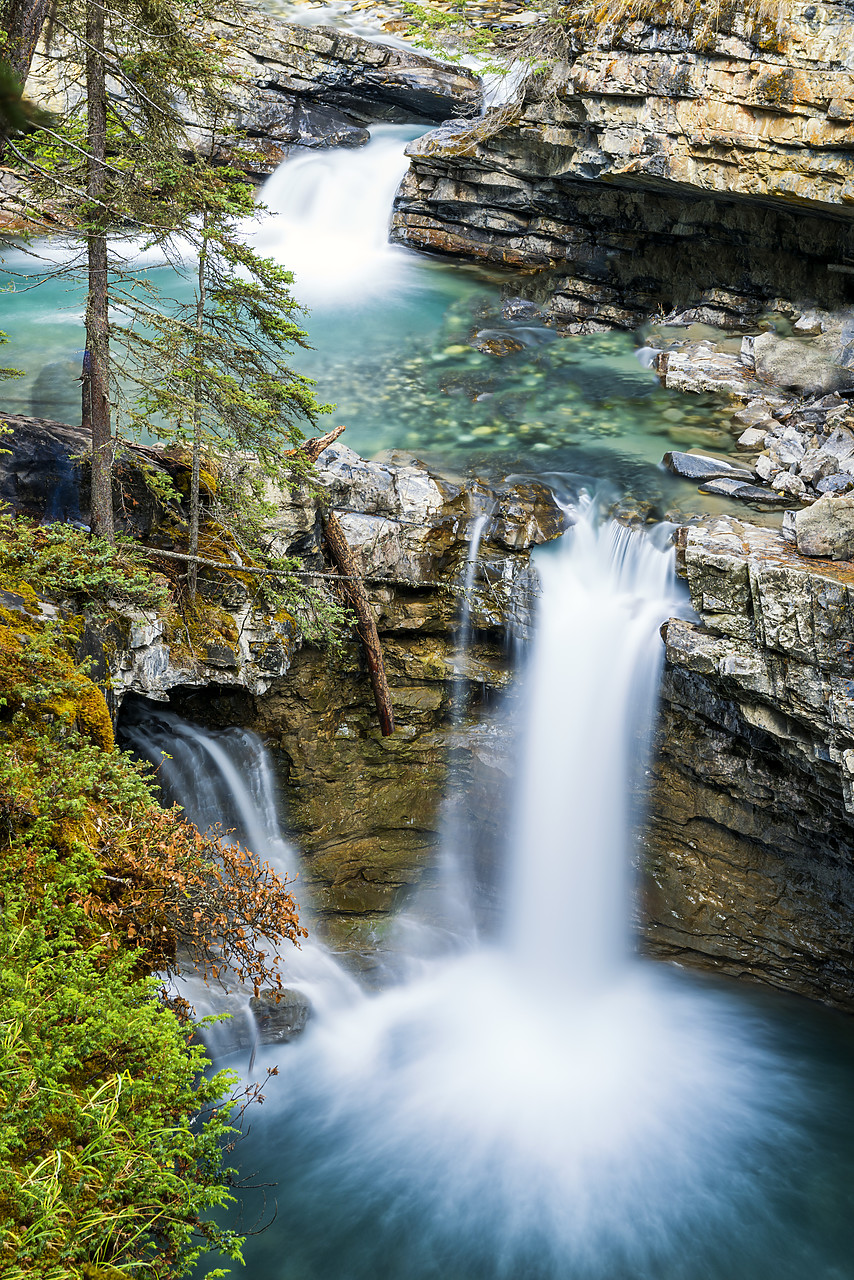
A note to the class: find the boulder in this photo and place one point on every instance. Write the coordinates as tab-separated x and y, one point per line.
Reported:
695	466
826	529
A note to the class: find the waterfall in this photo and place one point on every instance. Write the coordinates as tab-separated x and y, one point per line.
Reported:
590	696
224	781
549	1106
329	216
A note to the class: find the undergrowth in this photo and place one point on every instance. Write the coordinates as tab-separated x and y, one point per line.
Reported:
113	1142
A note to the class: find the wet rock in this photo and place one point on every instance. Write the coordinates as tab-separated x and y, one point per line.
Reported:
826	529
695	466
741	491
280	1016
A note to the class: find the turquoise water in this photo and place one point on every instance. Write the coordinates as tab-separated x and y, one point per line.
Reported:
416	354
342	1198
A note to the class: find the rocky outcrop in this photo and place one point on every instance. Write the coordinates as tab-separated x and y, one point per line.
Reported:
294	86
749	851
654	169
365	809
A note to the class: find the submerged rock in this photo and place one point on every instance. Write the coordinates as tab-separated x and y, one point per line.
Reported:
280	1016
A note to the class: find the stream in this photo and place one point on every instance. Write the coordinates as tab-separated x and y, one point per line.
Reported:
541	1103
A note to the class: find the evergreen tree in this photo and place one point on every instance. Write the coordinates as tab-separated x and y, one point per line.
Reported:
121	159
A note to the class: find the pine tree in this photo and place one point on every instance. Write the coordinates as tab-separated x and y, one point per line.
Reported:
121	160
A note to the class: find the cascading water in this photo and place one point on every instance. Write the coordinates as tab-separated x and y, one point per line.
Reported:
550	1107
339	255
224	781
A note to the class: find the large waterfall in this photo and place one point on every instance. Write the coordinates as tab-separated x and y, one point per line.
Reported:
547	1106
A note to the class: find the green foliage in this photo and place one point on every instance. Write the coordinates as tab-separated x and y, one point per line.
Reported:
60	561
103	1161
112	1137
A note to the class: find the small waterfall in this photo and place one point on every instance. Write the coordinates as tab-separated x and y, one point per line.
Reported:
224	781
329	217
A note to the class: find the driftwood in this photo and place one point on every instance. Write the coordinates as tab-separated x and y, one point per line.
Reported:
351	581
314	448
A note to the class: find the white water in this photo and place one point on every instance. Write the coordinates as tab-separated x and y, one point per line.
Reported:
339	255
554	1097
224	781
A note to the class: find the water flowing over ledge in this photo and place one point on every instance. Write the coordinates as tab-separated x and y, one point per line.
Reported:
546	1103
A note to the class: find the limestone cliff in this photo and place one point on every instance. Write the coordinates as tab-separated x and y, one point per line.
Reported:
749	851
654	169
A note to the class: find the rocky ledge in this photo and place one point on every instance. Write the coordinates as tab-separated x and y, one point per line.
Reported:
363	808
659	168
294	86
749	851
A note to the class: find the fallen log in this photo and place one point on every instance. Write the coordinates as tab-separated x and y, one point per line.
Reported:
353	588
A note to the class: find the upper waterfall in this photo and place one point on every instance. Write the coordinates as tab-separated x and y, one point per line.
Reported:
328	219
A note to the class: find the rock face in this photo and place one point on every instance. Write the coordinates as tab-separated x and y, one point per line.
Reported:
656	169
749	850
365	809
299	86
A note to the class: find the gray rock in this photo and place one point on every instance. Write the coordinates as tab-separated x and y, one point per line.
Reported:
805	366
787	482
752	438
817	465
840	482
826	529
727	487
695	466
283	1019
764	467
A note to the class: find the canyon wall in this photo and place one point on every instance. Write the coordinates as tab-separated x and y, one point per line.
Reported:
653	170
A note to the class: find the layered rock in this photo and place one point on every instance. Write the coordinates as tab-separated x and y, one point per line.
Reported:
294	86
749	852
658	169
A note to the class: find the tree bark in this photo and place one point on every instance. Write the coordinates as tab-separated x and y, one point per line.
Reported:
314	447
23	21
96	388
193	562
355	592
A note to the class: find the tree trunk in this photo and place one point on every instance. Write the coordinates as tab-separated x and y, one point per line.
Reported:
355	592
193	563
23	21
96	390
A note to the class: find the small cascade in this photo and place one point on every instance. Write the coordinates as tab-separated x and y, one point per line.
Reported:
448	902
224	781
328	220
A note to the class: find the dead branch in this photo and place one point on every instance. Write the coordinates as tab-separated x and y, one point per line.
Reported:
352	584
